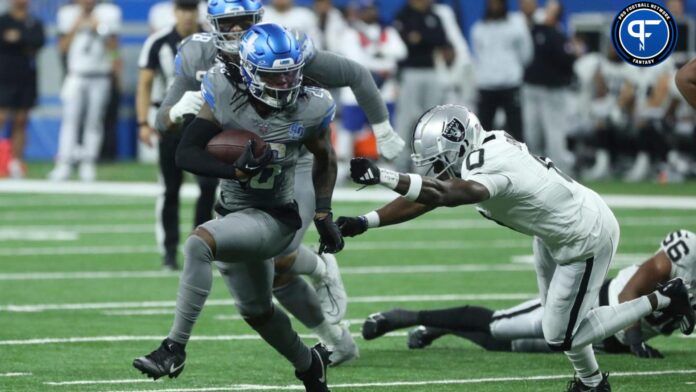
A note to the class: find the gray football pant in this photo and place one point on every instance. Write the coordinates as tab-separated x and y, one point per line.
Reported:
545	112
246	241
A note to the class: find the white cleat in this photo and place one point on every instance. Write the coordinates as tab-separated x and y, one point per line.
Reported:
331	292
61	172
88	172
346	350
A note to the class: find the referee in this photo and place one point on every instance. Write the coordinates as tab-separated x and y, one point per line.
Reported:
156	74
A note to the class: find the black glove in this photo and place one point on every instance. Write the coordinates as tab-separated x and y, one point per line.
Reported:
251	165
351	226
330	239
634	339
364	171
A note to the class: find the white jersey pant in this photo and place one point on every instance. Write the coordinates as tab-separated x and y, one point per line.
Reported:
569	291
420	90
545	114
84	103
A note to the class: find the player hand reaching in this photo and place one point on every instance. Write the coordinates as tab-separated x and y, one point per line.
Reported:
352	226
247	165
330	238
389	143
364	171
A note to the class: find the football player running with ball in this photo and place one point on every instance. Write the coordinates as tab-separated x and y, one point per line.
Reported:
258	216
321	308
519	329
575	233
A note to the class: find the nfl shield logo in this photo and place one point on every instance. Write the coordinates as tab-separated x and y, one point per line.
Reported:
296	131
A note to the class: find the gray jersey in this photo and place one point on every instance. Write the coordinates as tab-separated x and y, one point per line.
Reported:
285	131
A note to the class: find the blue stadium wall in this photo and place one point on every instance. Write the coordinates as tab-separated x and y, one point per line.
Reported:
45	122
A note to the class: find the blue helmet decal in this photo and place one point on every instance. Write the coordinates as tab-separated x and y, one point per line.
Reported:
271	62
224	15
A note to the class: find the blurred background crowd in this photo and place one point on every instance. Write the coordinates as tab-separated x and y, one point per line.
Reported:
545	71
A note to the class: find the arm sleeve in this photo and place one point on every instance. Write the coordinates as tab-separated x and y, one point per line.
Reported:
192	156
180	85
335	71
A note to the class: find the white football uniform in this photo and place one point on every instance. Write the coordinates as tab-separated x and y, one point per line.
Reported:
296	19
575	233
523	321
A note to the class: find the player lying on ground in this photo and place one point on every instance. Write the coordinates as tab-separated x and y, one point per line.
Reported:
575	233
229	20
258	217
519	328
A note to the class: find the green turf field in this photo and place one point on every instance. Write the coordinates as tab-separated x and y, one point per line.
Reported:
97	299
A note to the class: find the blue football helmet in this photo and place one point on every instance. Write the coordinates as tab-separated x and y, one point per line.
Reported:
271	62
225	15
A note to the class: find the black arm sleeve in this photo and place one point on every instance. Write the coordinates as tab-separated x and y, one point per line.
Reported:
192	156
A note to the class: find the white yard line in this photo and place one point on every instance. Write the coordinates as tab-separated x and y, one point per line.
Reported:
620	260
100	382
391	384
38	235
15	374
229	302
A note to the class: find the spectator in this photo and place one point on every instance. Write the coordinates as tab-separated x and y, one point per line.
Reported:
530	12
161	15
423	32
379	48
21	37
457	73
301	19
502	48
156	74
331	24
546	95
88	37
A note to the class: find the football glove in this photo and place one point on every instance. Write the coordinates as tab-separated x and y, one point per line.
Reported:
351	226
250	165
190	103
330	238
363	171
634	339
389	143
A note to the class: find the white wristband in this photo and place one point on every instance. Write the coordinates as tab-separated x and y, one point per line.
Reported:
382	129
388	178
414	189
372	219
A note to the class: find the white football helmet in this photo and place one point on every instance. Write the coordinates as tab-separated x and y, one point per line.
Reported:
443	136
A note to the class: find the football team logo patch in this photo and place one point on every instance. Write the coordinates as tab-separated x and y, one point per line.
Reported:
644	34
296	131
454	131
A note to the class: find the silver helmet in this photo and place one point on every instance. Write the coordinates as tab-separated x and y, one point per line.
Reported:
443	136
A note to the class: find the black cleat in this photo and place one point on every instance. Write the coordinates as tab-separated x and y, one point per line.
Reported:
314	378
577	386
421	337
375	326
679	305
167	360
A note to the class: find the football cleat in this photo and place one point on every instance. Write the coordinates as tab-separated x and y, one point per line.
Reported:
314	378
375	326
577	386
421	337
346	350
331	292
680	304
167	360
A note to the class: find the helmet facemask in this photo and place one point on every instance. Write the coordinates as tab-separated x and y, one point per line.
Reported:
439	145
277	87
225	36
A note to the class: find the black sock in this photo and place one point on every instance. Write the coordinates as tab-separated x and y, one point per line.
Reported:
486	341
401	318
462	319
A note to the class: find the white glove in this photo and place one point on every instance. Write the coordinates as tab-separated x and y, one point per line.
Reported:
389	142
190	103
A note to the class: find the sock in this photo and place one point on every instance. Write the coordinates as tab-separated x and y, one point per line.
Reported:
401	318
300	299
277	332
461	319
663	301
329	334
194	286
308	263
605	321
585	365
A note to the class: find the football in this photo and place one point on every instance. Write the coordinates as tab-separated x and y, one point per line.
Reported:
228	145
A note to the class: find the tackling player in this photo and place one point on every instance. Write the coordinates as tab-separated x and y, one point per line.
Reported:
229	20
519	328
258	216
575	233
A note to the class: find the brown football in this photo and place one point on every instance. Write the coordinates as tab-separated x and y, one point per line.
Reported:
228	145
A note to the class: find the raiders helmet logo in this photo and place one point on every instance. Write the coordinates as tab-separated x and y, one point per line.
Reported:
454	131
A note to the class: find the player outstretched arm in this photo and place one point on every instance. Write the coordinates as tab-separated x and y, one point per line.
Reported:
324	178
651	273
192	156
686	82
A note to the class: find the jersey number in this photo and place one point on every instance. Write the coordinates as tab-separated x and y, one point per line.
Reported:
675	246
266	179
475	159
548	164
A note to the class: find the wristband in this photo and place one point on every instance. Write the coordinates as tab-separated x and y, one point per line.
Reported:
372	219
414	188
382	129
388	178
322	204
